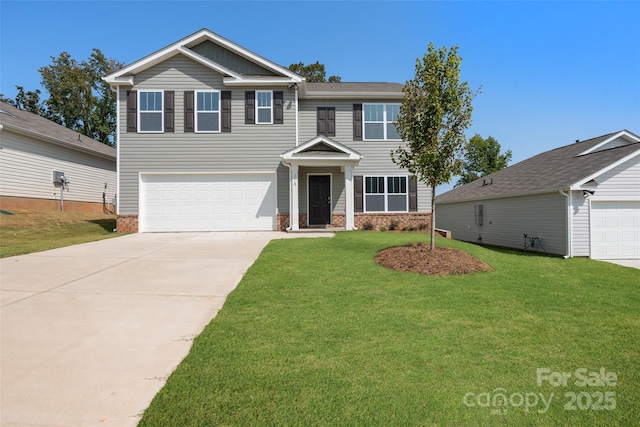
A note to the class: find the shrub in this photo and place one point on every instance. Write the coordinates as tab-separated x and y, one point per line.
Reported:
422	226
383	228
393	225
367	226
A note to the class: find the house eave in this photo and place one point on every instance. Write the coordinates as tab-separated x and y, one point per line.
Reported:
504	195
258	81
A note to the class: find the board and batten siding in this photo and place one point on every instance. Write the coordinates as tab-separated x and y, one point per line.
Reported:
247	148
27	166
506	220
621	183
376	154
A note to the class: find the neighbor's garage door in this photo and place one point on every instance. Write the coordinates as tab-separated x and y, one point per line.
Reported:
615	230
207	202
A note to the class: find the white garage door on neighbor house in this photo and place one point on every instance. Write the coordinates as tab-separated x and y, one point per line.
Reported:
207	202
615	230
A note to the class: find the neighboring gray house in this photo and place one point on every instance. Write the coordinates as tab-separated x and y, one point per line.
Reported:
579	200
35	153
215	137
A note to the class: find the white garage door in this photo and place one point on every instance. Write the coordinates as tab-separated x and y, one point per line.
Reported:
207	202
615	230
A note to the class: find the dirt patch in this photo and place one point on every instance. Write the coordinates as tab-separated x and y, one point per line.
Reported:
417	257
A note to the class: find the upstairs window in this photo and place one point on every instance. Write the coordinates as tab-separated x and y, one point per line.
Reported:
150	112
379	121
208	111
264	107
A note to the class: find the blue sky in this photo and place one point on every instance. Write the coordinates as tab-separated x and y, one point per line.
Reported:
549	72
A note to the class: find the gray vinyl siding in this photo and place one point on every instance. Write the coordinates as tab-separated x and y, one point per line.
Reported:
376	154
580	224
28	164
337	187
619	183
230	60
251	148
506	221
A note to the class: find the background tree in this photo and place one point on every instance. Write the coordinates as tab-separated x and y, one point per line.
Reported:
28	101
314	73
481	158
433	116
78	97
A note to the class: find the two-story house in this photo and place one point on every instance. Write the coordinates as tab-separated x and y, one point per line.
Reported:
212	136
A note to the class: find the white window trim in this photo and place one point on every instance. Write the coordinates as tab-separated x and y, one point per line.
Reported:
385	193
196	111
139	112
384	121
258	108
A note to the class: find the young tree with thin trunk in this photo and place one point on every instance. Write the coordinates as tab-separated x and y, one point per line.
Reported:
434	114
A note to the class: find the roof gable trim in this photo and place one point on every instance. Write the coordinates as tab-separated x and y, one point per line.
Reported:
182	46
631	138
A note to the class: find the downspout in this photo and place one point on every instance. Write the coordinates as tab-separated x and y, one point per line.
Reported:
569	224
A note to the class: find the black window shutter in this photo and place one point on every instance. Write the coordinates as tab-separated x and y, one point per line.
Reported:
169	111
413	194
226	110
250	107
189	118
132	111
357	122
326	121
322	121
358	202
278	107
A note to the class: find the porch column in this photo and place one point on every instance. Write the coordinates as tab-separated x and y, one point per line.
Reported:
293	197
349	219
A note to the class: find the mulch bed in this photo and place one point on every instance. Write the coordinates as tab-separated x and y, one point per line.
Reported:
417	257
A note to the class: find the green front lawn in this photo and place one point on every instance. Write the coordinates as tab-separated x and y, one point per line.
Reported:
27	231
318	334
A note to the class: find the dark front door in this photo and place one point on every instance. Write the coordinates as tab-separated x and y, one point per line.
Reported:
319	199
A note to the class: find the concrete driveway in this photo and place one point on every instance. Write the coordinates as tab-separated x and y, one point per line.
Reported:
91	332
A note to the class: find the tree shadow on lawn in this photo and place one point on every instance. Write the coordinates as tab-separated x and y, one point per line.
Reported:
107	224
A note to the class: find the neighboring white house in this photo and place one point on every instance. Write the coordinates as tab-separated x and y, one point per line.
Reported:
582	199
46	166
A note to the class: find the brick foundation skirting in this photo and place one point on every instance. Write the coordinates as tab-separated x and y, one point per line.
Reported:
9	203
376	220
127	223
389	220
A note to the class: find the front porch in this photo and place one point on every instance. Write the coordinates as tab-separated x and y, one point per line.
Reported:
321	191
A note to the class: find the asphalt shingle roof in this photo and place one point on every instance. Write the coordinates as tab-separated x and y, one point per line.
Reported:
355	87
555	169
32	124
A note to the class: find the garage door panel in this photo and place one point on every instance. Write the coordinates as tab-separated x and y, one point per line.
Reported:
207	202
615	230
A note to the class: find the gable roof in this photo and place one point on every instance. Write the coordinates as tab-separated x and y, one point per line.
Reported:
186	46
569	167
32	125
321	148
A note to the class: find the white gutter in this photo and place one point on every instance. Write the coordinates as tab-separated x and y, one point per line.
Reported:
569	225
